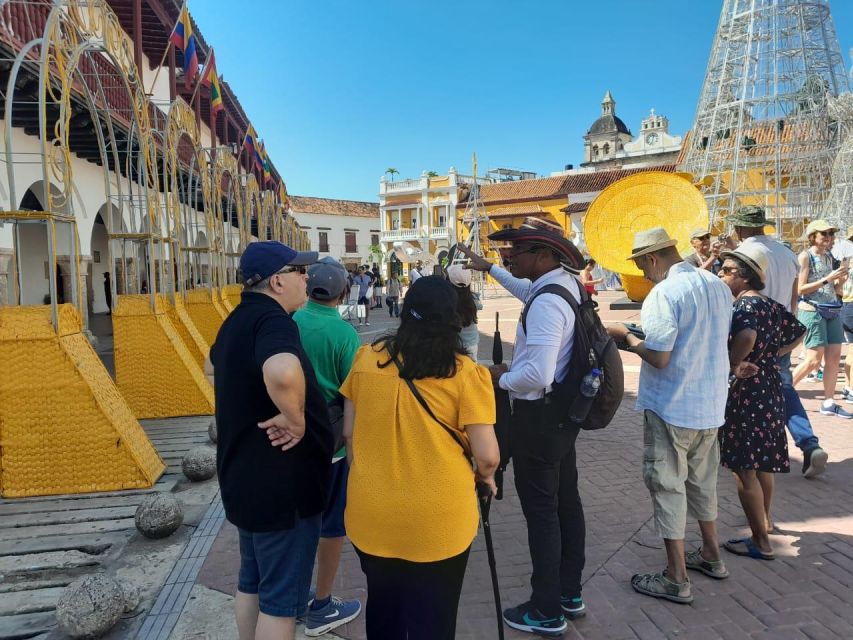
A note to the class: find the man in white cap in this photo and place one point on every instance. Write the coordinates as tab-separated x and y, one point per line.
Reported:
686	315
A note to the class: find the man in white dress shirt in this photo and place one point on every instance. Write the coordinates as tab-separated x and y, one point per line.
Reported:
543	449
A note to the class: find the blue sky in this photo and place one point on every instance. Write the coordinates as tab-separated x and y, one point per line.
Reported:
340	90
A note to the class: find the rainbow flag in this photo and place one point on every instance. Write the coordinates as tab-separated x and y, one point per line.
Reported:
209	78
184	38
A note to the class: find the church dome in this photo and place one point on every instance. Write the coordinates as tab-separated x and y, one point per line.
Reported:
608	124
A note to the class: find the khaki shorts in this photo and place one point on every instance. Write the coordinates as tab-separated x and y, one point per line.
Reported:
680	469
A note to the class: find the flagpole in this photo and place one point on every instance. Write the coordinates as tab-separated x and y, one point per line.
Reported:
200	80
166	52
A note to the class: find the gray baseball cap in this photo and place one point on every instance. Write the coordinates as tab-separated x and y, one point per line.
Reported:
326	281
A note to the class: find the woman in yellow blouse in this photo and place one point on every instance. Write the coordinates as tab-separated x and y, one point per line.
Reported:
411	503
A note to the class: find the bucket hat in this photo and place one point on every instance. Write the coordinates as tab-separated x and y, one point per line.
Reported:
749	216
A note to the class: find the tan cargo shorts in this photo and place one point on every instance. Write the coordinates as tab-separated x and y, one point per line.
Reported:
680	469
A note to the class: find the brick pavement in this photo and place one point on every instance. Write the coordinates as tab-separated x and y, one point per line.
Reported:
805	593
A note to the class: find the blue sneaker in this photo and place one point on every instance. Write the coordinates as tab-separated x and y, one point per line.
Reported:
833	409
332	616
526	617
574	608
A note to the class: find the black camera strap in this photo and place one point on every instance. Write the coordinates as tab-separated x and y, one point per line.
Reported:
423	403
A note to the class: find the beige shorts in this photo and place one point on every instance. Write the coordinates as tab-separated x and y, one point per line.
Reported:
680	469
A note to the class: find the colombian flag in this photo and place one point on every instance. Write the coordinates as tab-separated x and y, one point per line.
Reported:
282	193
250	143
265	161
184	38
210	79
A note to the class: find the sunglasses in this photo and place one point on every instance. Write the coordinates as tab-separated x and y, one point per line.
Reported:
728	270
829	233
294	269
507	260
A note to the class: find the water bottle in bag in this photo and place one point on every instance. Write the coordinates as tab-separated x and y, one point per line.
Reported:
581	405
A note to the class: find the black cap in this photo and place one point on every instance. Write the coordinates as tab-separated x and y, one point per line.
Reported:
431	300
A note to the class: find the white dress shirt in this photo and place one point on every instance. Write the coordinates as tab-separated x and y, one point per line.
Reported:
546	348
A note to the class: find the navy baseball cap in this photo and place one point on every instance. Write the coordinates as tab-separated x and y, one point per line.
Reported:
262	259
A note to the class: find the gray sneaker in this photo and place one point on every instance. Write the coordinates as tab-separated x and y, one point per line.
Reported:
714	569
835	410
657	585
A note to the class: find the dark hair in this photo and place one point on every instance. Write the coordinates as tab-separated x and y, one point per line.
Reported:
588	262
466	308
426	348
747	273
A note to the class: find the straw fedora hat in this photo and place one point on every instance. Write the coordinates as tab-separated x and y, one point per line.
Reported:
753	255
650	240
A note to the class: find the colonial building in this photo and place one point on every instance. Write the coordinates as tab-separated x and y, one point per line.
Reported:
609	144
418	217
347	230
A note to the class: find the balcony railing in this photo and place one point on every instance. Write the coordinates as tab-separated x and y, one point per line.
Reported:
439	232
414	184
394	235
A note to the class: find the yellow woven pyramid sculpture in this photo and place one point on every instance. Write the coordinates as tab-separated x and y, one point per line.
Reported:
64	426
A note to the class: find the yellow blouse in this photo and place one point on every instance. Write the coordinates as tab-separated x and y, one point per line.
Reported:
411	490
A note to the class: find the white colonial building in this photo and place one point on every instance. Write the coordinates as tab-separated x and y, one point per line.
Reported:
347	230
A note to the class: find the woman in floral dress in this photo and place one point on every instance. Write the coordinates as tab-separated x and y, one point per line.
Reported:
753	443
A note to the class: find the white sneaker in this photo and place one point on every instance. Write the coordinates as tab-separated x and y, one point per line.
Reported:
366	324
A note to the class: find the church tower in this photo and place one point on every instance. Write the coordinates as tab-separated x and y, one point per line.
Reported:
607	136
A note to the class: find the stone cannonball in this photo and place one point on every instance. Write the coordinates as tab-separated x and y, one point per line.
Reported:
199	463
90	606
212	433
159	516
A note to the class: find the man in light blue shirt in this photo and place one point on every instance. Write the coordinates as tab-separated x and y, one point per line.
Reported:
683	389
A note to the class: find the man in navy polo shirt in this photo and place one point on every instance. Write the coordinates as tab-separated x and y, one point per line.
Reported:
275	442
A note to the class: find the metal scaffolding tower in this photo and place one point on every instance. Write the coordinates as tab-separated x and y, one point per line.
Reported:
839	206
475	220
763	132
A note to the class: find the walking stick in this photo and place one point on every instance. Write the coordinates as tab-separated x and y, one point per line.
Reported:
485	495
502	411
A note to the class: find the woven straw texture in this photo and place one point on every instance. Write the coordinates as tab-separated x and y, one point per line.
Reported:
185	327
154	370
232	292
636	287
206	313
636	203
224	301
64	426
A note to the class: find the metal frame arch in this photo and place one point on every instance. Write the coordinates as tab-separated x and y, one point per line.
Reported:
254	206
226	164
270	212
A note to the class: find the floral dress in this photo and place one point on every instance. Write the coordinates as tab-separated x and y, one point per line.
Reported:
753	436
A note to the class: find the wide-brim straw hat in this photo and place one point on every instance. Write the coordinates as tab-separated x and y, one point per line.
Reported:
753	255
649	241
543	232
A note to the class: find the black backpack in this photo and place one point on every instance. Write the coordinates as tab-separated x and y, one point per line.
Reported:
593	348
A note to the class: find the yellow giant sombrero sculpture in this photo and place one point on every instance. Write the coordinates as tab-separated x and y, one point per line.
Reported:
636	203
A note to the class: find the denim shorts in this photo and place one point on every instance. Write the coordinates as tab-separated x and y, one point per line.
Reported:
333	516
277	565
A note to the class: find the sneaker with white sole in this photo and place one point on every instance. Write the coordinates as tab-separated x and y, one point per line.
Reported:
573	608
336	613
835	410
814	462
526	617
